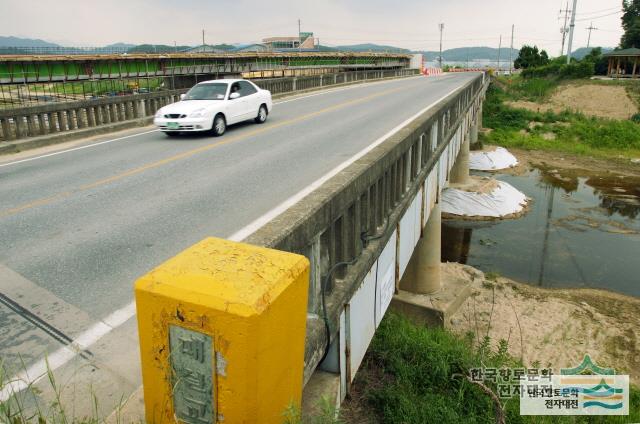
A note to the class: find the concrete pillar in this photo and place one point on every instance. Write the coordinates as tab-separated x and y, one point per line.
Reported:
42	124
460	171
473	136
7	134
62	121
31	126
141	109
423	273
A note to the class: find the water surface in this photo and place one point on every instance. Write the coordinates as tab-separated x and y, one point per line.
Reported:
581	231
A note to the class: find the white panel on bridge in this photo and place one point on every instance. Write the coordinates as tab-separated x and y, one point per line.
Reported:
430	195
386	277
434	136
361	320
408	239
343	354
442	169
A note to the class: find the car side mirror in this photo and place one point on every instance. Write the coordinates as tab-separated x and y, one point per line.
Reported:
234	95
182	96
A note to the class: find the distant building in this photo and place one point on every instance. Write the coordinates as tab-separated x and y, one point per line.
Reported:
304	42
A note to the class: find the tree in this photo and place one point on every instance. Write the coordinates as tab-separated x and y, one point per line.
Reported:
530	57
599	61
630	24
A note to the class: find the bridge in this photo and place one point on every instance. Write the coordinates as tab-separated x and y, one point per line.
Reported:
348	177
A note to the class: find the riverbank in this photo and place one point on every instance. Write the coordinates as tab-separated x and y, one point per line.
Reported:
412	374
559	121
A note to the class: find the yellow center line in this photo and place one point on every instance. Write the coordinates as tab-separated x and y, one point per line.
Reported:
189	153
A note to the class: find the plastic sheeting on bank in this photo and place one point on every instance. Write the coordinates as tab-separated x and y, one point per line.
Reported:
500	158
502	201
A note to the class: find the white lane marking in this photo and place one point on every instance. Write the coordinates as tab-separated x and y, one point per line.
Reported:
261	221
75	148
62	356
155	130
89	337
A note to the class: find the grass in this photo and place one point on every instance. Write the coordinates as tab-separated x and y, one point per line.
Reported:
565	132
414	374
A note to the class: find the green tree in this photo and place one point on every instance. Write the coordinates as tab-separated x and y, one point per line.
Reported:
599	61
530	57
630	24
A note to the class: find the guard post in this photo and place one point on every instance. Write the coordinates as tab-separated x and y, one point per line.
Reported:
222	334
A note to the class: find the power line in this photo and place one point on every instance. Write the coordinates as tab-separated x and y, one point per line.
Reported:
598	17
595	12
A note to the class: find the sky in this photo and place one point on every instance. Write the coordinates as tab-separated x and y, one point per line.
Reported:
411	24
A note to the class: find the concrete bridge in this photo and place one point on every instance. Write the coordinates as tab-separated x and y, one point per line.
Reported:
20	69
348	178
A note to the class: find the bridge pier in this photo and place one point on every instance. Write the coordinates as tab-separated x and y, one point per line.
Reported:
460	171
423	272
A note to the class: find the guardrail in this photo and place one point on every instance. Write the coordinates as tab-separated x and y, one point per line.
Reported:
344	225
54	118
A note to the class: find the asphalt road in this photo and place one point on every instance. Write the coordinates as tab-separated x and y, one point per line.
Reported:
82	225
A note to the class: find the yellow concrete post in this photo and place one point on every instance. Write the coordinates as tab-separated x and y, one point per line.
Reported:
222	331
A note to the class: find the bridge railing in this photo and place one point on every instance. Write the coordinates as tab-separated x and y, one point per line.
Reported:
344	226
53	118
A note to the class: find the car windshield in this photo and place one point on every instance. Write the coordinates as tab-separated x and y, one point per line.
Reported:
215	91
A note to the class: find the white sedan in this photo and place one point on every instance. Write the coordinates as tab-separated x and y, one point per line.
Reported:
213	105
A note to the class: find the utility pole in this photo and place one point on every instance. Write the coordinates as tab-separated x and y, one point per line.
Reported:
591	27
511	51
564	29
203	38
499	47
441	26
299	37
571	28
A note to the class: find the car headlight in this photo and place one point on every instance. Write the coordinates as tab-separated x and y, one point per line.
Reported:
198	113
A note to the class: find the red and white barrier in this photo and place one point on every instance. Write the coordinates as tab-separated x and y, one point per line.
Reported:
432	71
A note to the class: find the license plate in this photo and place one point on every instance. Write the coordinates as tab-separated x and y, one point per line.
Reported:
173	125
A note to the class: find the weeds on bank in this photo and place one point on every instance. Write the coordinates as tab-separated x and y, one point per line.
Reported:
567	131
326	413
27	406
415	374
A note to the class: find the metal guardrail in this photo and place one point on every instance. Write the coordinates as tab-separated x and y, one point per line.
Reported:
364	202
33	121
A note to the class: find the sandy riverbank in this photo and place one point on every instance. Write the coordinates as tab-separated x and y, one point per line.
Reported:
552	327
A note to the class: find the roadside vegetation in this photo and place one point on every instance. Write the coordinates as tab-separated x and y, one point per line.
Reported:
414	374
566	131
539	125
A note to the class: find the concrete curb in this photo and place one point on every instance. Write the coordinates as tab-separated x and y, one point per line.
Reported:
46	140
17	146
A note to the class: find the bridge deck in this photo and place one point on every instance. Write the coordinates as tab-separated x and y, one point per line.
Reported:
82	224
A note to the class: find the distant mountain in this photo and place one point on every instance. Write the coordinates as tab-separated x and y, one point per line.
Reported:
119	46
463	54
369	47
24	42
583	51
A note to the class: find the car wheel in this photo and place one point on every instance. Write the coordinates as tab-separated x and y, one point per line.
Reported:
262	115
171	133
219	125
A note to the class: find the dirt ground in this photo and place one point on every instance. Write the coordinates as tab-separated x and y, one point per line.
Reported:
604	101
526	158
552	327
